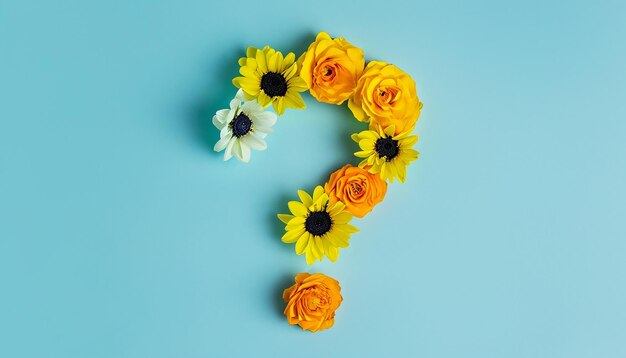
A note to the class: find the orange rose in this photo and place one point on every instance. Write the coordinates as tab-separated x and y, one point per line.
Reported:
331	68
357	188
386	95
312	301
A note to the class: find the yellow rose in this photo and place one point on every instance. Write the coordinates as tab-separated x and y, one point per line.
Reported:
331	68
357	188
387	96
312	301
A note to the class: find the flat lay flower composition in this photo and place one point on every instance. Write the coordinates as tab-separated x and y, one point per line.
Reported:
319	224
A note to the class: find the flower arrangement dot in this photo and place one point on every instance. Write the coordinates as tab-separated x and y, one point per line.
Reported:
312	301
319	224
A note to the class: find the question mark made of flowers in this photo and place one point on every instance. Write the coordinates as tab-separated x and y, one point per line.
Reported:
333	71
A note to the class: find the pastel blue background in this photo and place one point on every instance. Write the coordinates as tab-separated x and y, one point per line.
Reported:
123	235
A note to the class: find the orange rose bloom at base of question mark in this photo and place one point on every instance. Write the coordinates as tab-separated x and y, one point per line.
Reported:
357	188
312	301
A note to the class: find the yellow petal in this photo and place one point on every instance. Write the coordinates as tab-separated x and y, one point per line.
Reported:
297	208
261	61
285	217
336	209
295	223
409	141
366	144
302	243
373	135
289	60
315	249
357	111
363	153
251	86
322	36
332	253
275	62
290	71
248	71
343	217
317	193
349	228
325	242
297	83
292	236
339	239
383	171
263	99
310	259
305	198
401	170
389	131
279	105
320	246
294	100
321	202
251	51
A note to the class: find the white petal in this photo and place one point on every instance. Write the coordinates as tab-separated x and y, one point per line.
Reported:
245	152
255	142
237	149
264	119
231	115
217	123
222	143
226	131
234	104
252	108
219	119
262	132
229	149
240	96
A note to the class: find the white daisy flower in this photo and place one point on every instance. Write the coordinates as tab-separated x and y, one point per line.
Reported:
242	127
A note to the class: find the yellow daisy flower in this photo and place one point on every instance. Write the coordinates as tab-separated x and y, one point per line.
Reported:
271	78
317	228
386	153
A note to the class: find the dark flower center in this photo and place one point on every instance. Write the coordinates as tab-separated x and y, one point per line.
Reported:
274	84
387	148
241	125
318	223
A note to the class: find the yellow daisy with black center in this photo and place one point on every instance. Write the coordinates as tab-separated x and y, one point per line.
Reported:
386	153
271	79
317	228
